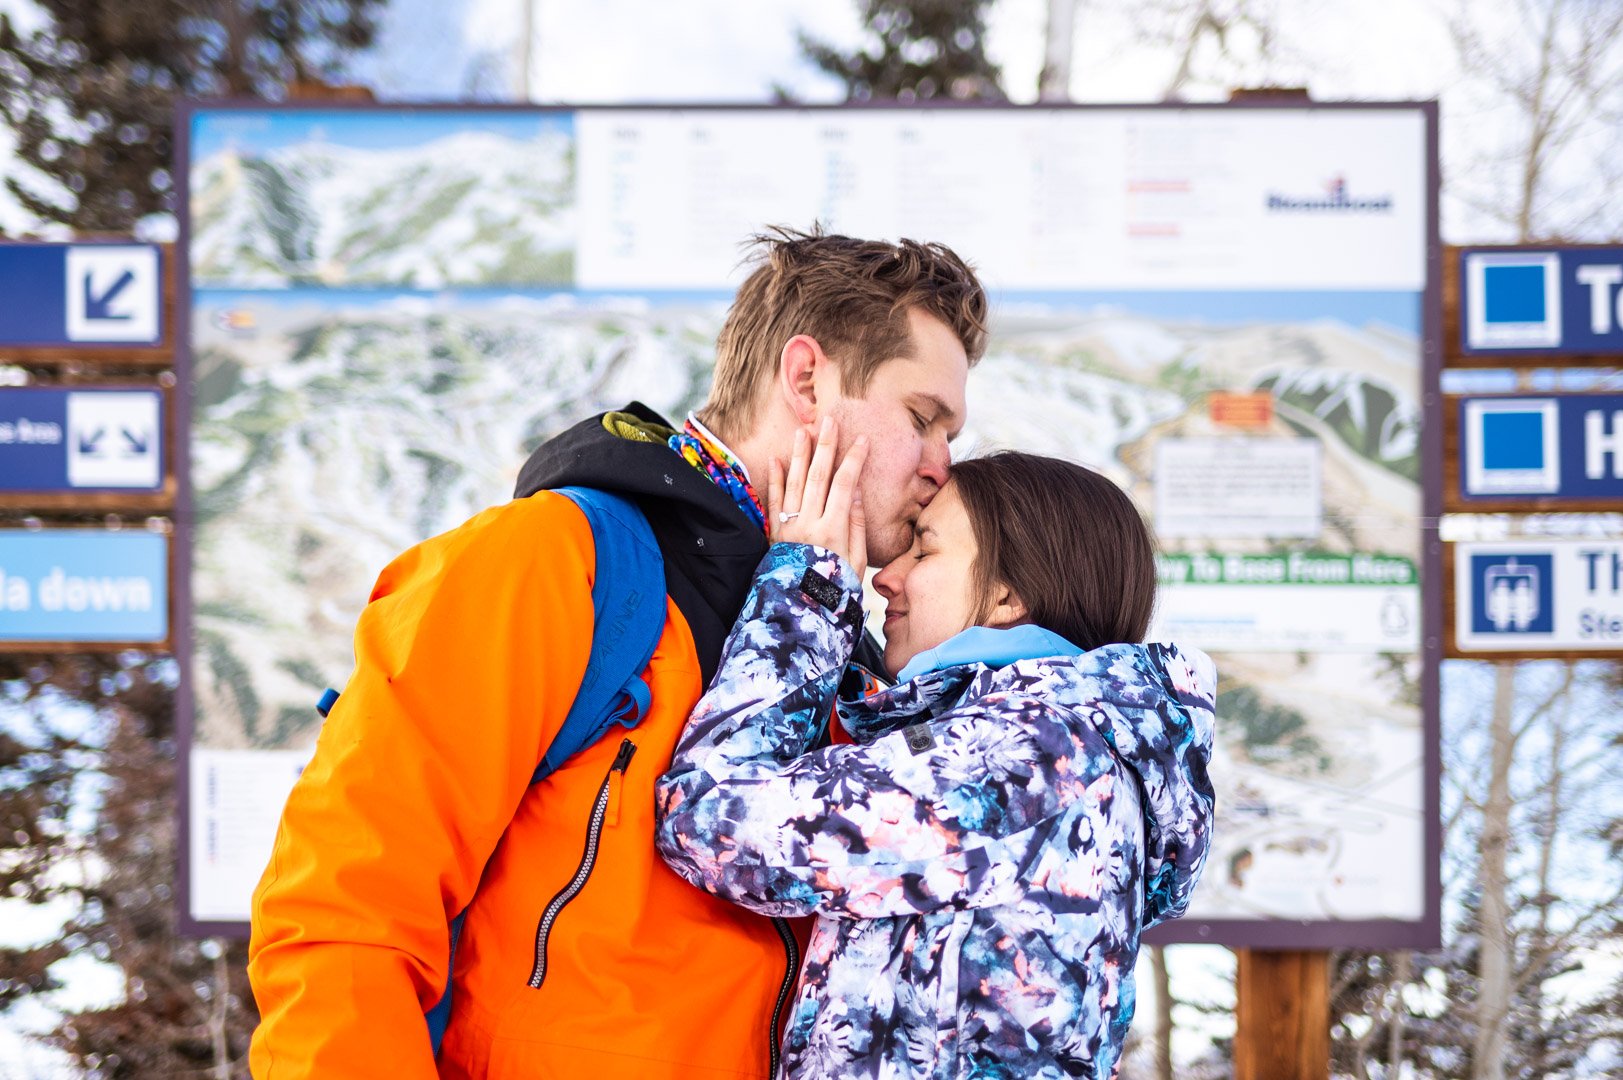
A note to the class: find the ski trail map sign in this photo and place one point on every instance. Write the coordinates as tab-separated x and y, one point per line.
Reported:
1230	310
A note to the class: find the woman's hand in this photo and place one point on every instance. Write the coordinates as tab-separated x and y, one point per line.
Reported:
815	503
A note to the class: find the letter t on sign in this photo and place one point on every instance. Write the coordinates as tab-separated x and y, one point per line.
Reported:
1600	280
1598	443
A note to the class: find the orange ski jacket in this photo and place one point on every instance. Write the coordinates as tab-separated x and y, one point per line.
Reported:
417	804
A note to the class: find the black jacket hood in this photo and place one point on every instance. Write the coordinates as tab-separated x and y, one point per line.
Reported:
590	455
710	547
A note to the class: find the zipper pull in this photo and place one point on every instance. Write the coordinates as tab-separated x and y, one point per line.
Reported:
613	782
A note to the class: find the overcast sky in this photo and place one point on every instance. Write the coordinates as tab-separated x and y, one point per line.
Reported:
738	50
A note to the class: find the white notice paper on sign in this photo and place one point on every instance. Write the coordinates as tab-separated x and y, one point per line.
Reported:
1238	487
237	798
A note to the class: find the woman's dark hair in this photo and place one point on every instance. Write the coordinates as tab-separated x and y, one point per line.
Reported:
1067	541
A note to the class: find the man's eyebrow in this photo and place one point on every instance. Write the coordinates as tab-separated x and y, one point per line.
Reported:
943	411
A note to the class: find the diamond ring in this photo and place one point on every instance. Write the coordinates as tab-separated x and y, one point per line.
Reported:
785	517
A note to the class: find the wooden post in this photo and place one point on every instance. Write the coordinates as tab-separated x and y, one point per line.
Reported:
1282	1015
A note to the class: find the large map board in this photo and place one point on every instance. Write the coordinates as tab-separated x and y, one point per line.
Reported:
1229	310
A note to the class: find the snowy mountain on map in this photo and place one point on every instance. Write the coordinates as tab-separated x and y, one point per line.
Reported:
329	441
1103	388
471	208
330	435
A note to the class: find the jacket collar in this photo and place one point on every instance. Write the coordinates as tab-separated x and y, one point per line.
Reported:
934	681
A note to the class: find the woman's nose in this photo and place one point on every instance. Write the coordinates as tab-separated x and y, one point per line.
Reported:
888	580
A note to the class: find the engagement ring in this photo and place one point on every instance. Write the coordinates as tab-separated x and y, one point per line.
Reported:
785	517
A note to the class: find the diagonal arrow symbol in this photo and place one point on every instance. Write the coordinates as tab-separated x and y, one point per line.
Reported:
100	307
89	445
138	442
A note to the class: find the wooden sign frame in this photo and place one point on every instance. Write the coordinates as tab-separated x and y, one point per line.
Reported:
156	357
1451	647
104	500
1454	500
166	645
1454	355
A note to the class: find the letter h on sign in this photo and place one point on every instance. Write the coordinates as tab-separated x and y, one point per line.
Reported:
1598	442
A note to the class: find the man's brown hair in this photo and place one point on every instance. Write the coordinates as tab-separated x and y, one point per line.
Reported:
1068	542
852	296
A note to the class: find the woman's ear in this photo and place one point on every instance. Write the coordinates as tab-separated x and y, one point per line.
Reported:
1007	608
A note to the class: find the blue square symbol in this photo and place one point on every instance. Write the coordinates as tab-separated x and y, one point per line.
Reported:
1512	594
1512	440
1513	294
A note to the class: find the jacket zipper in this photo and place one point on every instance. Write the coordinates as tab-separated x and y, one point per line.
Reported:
594	830
791	948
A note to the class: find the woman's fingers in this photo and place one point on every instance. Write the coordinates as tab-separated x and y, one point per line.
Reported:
859	534
844	510
822	497
815	495
837	507
774	497
795	480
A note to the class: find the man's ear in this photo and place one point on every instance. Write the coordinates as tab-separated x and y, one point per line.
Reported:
1007	608
798	367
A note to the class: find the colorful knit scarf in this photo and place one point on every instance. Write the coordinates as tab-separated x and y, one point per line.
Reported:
701	449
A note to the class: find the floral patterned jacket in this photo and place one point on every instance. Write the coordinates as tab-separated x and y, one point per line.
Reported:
981	861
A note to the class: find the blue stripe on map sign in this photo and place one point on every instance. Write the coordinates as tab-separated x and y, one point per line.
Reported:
62	295
84	585
81	439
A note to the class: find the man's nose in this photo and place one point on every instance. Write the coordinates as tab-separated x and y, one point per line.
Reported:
936	462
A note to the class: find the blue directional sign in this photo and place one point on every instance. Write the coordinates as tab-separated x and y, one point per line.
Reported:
1537	597
1561	300
84	439
1564	447
1512	593
61	295
83	585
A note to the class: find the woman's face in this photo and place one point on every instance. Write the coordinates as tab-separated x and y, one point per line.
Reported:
928	586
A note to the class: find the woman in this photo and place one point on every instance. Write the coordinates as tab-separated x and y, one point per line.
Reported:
1029	797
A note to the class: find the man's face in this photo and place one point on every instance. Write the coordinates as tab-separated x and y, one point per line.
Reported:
913	406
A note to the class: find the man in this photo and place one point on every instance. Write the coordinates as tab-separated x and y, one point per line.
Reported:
418	802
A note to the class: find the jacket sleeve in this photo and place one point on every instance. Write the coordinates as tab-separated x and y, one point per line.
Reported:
949	814
467	658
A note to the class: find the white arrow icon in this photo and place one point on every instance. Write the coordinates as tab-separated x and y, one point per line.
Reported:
113	293
113	440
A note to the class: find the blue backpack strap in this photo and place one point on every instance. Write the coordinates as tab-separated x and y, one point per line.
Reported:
628	618
628	605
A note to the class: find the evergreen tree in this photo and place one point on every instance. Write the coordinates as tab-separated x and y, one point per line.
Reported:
87	741
91	93
917	50
87	822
